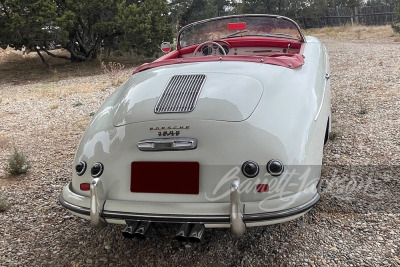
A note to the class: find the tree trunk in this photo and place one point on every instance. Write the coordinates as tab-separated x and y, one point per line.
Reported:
76	56
41	57
53	55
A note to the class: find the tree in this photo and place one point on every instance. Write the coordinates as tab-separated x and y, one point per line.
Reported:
185	12
276	7
4	18
28	23
85	24
198	10
396	23
144	25
346	3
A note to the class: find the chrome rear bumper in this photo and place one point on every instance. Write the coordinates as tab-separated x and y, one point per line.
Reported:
237	219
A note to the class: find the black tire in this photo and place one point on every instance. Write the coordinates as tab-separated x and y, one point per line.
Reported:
326	133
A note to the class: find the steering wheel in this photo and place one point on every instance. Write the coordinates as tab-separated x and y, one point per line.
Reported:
209	42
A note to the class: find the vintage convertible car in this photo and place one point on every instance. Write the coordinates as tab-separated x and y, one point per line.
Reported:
226	131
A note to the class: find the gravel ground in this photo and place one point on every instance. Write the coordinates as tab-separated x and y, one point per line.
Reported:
355	223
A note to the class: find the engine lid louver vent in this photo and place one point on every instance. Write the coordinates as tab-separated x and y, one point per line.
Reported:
181	94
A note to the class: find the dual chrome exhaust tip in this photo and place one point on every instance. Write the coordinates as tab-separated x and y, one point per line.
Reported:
187	232
193	233
136	229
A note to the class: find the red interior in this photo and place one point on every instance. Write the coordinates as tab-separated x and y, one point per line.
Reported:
289	60
249	42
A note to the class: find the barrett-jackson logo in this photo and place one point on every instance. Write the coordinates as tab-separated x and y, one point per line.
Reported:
169	128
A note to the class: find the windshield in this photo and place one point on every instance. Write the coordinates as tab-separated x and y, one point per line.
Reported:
239	26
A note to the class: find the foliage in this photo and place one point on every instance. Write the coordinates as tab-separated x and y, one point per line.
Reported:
4	205
346	3
396	24
198	10
85	24
17	163
144	26
261	6
83	27
27	23
188	11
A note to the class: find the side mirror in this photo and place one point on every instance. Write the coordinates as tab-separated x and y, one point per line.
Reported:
166	47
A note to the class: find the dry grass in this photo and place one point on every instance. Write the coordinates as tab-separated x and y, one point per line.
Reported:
115	71
55	90
82	123
17	68
5	142
356	32
4	205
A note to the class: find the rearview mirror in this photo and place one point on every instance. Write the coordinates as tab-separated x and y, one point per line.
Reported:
166	47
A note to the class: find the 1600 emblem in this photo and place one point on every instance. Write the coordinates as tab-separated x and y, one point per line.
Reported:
169	130
169	133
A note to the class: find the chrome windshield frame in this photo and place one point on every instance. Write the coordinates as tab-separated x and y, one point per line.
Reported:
303	39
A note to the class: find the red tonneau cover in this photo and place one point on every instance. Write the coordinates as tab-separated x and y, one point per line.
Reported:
287	60
290	61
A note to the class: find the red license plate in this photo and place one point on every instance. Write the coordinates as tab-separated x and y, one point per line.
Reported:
165	177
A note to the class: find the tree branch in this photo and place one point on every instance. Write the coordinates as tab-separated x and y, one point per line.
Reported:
54	55
74	55
5	8
81	44
41	57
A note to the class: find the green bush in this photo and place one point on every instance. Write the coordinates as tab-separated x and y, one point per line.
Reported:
396	22
396	27
17	163
3	202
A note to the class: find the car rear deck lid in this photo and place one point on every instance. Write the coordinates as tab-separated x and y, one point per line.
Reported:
207	96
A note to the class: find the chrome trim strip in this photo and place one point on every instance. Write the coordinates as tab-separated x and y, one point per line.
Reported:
236	211
97	199
181	218
323	97
73	207
166	218
284	213
167	144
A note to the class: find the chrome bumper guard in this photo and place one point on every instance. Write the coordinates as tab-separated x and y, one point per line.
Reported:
237	218
236	211
97	200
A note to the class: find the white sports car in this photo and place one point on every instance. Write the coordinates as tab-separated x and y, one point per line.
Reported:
226	131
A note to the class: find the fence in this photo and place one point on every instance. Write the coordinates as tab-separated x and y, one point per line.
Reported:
368	15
